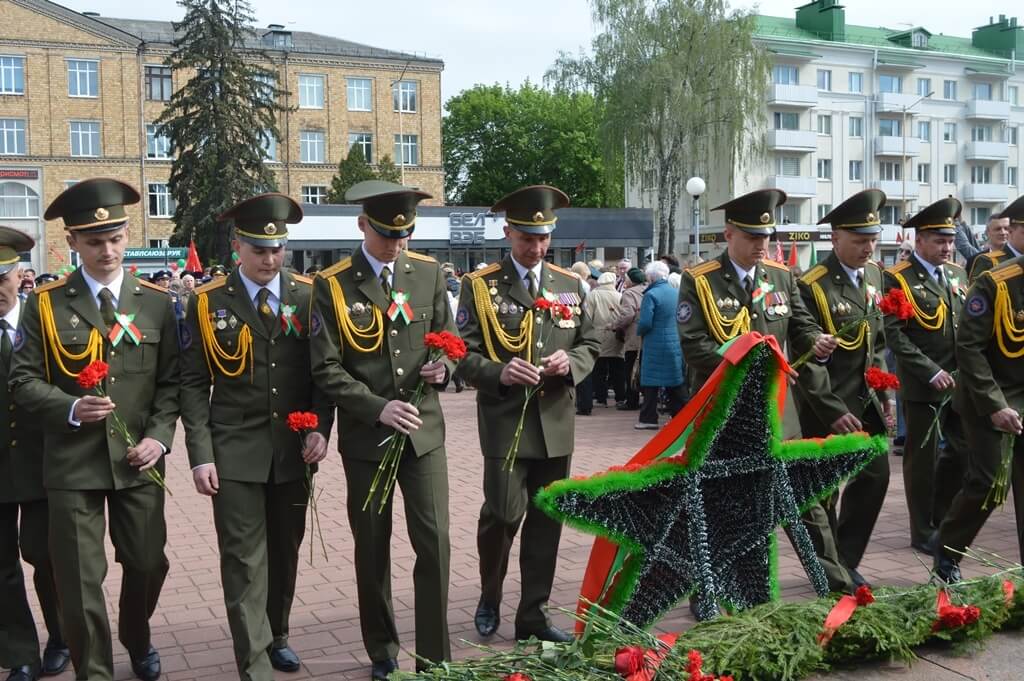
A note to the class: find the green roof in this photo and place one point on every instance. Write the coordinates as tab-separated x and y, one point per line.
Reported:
785	28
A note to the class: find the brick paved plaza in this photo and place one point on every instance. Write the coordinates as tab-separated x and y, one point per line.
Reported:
191	629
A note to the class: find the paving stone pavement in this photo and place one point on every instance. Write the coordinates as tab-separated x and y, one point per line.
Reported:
191	630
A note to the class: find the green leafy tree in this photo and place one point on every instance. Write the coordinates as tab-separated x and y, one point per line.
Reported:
680	85
388	171
351	169
496	139
220	122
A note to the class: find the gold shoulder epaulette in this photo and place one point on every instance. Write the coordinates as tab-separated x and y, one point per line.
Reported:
485	271
992	255
704	268
151	285
303	279
768	262
336	268
814	274
420	256
955	266
49	286
1005	273
562	270
898	267
210	286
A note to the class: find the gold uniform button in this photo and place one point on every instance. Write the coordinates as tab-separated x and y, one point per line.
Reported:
541	393
273	365
113	379
112	353
273	391
394	332
401	391
397	353
14	424
273	342
275	414
14	443
753	316
400	371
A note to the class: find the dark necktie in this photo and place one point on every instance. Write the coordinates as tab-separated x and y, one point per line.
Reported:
385	283
748	285
532	285
5	344
860	280
266	313
107	310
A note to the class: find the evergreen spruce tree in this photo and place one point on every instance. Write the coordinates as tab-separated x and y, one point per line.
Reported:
351	169
220	122
388	171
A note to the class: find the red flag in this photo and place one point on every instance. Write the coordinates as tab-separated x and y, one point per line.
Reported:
792	255
192	263
899	237
580	246
778	252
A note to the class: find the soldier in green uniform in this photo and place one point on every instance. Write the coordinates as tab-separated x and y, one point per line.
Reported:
23	509
512	347
742	291
247	337
371	312
990	396
833	397
102	312
925	363
1012	248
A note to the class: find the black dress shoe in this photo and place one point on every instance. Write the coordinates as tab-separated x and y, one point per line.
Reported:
947	570
486	619
56	657
552	634
381	670
284	659
26	672
926	547
627	407
147	667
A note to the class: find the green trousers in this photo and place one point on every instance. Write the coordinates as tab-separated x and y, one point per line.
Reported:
259	531
508	503
19	643
424	484
966	515
931	475
138	533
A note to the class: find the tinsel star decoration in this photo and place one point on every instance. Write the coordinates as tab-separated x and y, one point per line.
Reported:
698	518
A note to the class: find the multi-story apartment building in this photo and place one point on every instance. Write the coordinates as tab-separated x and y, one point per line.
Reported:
79	94
918	115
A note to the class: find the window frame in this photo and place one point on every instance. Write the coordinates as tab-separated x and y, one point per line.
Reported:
924	86
13	133
165	197
895	125
410	142
895	168
313	140
946	128
166	82
949	173
947	86
897	79
824	123
826	76
824	164
321	193
30	199
349	90
305	89
401	96
72	135
924	125
860	81
68	61
860	127
855	176
927	172
152	148
368	157
788	69
13	69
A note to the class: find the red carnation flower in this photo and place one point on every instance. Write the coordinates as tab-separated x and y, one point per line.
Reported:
564	312
895	303
881	380
303	420
629	660
863	595
542	304
516	676
93	374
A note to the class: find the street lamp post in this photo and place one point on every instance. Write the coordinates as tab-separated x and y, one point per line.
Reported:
903	165
695	187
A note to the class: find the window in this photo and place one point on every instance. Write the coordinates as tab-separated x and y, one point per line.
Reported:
981	174
889	215
924	173
980	215
949	173
785	75
359	94
269	146
316	193
311	147
856	126
786	120
1011	92
924	86
85	138
788	166
83	78
890	170
12	136
981	133
889	127
856	81
924	131
824	169
823	210
890	83
825	125
161	203
12	75
18	201
919	39
404	94
157	146
949	132
949	89
1010	134
787	214
407	149
311	92
856	171
824	80
264	84
364	141
983	91
1011	176
158	83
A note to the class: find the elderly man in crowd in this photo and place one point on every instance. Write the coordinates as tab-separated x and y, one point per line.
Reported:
625	325
602	306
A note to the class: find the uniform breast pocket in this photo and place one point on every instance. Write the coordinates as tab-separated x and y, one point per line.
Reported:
141	358
74	339
420	324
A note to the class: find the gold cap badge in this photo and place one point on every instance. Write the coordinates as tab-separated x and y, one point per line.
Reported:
271	228
399	220
949	220
871	217
766	218
538	216
102	214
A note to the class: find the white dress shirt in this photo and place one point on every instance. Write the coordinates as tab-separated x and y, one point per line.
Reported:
253	290
95	287
378	265
853	273
742	273
524	271
12	318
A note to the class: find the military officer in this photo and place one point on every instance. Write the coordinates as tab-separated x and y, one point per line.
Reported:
511	348
833	397
22	493
990	397
371	312
246	336
101	312
997	230
1013	247
925	363
742	291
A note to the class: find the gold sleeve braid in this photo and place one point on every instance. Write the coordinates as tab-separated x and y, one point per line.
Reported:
347	329
830	327
489	325
214	353
932	322
1003	321
723	329
52	345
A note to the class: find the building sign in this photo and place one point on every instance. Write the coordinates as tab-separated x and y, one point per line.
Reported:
19	174
783	235
468	229
155	253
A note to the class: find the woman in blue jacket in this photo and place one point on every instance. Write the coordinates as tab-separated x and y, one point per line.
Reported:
661	359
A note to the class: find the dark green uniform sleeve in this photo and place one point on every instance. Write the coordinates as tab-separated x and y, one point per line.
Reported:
28	383
972	349
195	391
477	368
909	357
700	350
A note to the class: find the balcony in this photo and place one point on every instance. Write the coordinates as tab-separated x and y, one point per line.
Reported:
793	140
795	187
802	96
986	193
895	101
986	109
894	189
986	151
893	146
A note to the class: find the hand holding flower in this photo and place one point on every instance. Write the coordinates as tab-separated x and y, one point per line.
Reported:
434	372
315	449
145	454
555	364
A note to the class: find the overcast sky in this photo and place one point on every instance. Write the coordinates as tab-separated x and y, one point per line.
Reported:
508	41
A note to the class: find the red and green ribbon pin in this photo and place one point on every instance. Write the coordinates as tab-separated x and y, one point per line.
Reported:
124	326
400	307
290	323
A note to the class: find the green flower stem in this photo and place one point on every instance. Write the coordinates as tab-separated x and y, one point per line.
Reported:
842	331
1001	485
311	501
122	429
513	448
